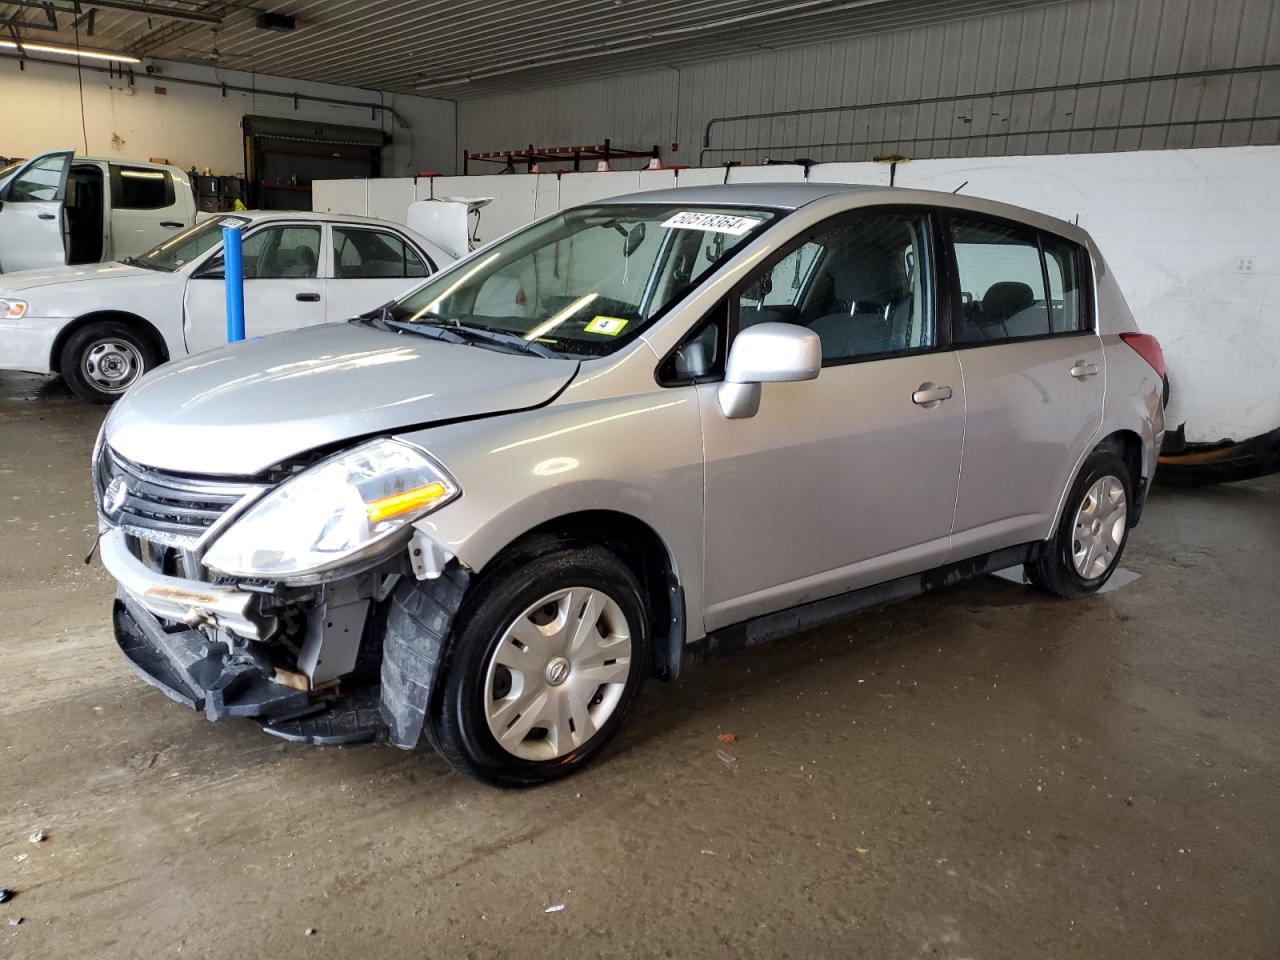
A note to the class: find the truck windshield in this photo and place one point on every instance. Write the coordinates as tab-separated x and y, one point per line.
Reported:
587	280
184	247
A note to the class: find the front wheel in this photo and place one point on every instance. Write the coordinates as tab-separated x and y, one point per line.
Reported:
543	667
1093	531
103	360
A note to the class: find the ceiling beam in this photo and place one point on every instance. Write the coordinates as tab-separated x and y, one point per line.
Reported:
129	6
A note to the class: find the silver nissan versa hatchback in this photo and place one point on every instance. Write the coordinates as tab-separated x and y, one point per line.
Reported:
616	441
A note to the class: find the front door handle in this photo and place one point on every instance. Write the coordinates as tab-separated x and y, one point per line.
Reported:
47	216
174	224
929	395
308	297
1083	371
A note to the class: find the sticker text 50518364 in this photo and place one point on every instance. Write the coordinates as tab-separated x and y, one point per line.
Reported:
712	222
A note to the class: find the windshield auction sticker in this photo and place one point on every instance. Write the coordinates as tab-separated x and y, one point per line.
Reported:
609	326
712	222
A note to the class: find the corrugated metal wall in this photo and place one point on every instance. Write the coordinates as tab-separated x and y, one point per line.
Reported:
1072	77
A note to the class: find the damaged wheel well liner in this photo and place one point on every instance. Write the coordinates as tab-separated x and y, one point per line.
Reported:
421	614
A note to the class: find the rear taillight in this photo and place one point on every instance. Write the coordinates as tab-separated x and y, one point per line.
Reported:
1148	348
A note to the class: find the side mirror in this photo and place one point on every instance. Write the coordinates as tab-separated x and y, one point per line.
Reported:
767	353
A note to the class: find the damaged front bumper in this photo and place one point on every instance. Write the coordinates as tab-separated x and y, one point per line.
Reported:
207	675
343	662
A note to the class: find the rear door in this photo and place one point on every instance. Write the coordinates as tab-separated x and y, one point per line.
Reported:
31	215
144	209
282	286
1033	377
370	266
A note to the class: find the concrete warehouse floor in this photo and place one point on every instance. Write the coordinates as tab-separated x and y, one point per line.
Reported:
984	772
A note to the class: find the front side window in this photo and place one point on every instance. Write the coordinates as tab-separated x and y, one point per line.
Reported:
588	279
862	282
43	180
281	252
136	188
1001	282
360	254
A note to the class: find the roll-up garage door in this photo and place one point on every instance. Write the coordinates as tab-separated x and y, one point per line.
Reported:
282	158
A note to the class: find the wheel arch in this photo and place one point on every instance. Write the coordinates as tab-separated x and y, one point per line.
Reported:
643	550
142	325
1128	445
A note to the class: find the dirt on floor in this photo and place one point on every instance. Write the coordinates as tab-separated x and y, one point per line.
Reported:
983	772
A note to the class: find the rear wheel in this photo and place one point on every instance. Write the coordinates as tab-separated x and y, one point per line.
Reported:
103	360
546	664
1093	531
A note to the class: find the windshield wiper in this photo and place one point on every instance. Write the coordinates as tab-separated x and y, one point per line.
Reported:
377	316
138	262
466	333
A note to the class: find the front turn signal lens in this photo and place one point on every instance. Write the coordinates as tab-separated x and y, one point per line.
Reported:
13	309
384	508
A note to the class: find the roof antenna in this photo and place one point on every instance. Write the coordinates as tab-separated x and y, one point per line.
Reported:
961	187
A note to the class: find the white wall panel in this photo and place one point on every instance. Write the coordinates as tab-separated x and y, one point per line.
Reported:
389	198
340	196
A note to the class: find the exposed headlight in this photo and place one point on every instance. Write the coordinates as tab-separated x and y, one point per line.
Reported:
13	309
338	512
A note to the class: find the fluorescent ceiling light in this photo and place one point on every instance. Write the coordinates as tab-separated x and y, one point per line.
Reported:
70	51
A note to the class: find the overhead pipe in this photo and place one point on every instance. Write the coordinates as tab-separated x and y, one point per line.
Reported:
955	98
235	88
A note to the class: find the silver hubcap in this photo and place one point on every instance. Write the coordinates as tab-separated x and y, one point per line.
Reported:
112	365
557	674
1099	527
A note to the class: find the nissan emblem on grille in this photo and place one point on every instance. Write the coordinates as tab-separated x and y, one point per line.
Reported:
114	497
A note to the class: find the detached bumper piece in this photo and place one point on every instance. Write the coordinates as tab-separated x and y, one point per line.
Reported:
193	670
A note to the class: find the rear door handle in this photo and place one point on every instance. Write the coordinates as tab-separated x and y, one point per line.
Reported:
171	223
308	297
47	216
929	395
1083	370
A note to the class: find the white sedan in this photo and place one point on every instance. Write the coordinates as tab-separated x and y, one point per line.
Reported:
103	325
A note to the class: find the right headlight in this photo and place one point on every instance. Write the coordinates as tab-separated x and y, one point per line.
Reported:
341	511
11	309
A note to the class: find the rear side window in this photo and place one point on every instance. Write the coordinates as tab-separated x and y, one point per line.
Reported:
136	188
373	254
1001	282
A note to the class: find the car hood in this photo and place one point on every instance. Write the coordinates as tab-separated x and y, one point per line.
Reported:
23	280
242	408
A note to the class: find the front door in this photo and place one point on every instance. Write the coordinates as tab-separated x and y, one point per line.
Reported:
282	288
31	217
1034	373
850	479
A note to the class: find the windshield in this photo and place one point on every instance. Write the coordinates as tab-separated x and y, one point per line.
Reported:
184	247
586	280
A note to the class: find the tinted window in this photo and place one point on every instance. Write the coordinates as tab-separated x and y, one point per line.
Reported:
1062	263
372	254
281	252
1001	282
861	282
138	189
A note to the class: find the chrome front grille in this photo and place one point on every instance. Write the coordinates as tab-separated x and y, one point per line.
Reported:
163	507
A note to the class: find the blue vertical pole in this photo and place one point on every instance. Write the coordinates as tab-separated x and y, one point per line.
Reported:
233	274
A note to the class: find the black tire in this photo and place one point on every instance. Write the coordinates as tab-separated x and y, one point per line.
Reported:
1055	571
103	348
457	723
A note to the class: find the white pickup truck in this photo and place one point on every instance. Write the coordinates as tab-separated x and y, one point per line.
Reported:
58	209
